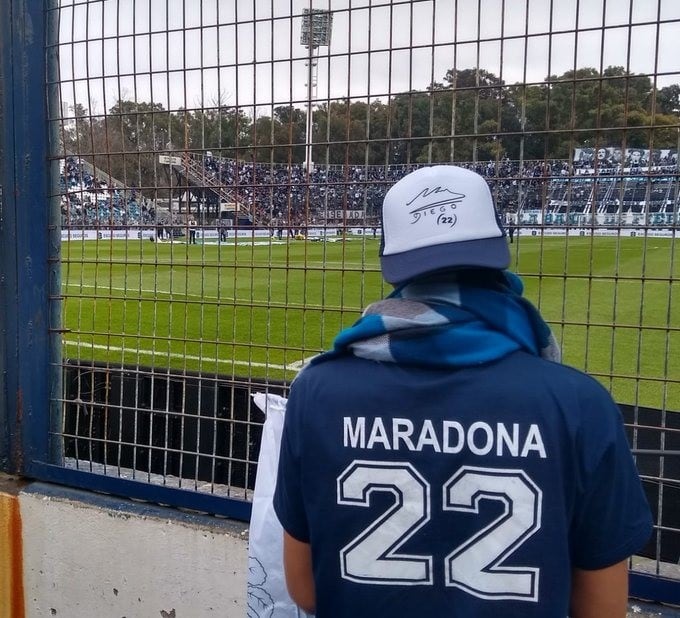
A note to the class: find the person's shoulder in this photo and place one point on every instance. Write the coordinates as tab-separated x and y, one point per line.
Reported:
315	368
558	376
572	375
332	373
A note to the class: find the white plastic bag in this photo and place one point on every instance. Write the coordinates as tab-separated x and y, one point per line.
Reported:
267	593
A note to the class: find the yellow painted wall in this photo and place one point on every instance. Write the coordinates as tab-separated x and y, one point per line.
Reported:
11	568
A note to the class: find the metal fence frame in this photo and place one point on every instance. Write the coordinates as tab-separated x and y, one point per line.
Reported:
29	271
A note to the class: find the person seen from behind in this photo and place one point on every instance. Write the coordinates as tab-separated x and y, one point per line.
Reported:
440	460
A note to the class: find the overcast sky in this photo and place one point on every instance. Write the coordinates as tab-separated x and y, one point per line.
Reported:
194	53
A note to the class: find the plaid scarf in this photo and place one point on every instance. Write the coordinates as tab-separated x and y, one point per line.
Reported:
456	319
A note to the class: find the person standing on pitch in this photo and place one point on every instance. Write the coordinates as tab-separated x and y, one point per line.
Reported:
192	231
440	460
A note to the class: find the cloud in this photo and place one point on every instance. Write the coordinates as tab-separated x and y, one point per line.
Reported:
185	54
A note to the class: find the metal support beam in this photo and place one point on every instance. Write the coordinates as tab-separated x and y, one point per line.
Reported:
24	233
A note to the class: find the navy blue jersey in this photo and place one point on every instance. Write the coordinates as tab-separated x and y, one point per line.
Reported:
469	492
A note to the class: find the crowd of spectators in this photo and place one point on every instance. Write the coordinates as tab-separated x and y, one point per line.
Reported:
88	201
275	193
279	195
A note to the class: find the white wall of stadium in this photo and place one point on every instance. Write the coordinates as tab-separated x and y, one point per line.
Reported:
212	234
209	234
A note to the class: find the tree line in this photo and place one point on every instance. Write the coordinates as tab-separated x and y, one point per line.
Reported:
470	115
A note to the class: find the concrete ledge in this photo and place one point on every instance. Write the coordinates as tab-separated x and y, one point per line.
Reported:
95	555
649	610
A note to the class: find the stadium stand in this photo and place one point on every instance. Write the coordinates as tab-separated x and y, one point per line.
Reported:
533	192
87	200
578	192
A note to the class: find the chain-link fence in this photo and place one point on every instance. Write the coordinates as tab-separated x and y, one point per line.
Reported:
217	171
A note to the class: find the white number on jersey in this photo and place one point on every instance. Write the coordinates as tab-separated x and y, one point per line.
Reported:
476	564
473	565
372	556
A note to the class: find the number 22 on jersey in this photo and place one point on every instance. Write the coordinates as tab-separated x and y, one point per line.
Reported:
476	565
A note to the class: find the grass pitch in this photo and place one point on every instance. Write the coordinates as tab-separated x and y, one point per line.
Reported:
260	309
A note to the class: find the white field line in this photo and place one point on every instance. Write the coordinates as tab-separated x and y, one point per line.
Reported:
144	291
178	293
295	366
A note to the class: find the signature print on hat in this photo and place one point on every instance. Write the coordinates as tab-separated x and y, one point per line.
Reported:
436	207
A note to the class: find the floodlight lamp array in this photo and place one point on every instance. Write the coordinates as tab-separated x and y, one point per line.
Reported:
316	28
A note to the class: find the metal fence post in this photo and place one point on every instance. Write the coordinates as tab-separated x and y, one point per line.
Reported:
23	236
3	242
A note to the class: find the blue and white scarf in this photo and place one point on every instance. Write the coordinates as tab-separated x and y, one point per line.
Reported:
458	319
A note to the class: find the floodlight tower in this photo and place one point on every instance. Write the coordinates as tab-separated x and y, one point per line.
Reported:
316	32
